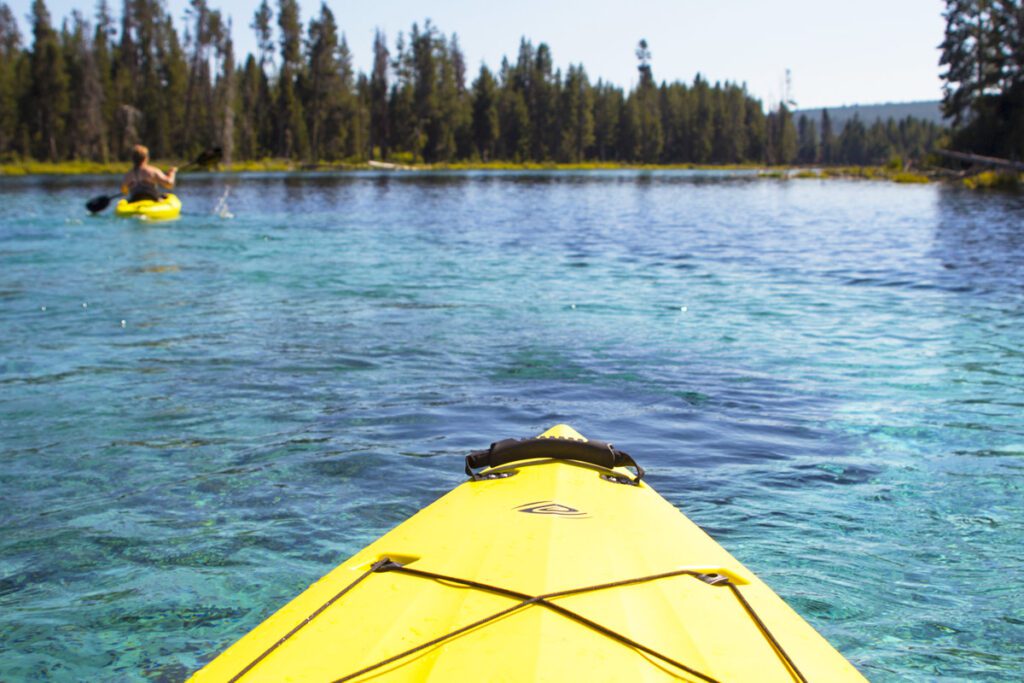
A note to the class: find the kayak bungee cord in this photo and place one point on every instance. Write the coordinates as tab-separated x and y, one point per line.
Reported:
526	601
764	629
388	565
305	621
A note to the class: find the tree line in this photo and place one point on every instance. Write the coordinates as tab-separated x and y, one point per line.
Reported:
91	89
983	56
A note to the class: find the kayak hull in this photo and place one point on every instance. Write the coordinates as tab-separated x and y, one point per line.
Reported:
167	208
552	526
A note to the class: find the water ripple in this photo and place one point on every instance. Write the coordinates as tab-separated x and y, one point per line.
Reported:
826	376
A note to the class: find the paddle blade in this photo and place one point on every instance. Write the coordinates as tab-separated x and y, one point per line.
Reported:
97	204
209	157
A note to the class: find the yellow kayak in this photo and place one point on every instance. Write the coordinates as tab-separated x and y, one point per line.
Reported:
166	208
554	562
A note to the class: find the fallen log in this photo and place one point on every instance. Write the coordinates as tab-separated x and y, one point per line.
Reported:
387	166
980	160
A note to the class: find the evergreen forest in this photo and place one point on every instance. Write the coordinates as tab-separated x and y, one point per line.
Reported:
91	87
983	60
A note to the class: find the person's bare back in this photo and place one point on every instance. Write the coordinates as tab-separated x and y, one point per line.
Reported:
145	180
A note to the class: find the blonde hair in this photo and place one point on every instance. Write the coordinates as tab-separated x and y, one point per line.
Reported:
140	155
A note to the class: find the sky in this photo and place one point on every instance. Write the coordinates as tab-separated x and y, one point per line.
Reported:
863	52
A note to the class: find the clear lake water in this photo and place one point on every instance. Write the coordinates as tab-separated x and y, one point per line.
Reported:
202	417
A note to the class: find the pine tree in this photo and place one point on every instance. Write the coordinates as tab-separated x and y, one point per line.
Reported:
827	155
702	141
206	101
852	143
225	95
735	147
256	95
608	104
168	90
405	131
782	136
262	26
628	133
971	54
292	137
458	103
86	126
378	96
350	126
878	148
719	151
1008	20
360	125
154	130
324	89
249	94
542	102
676	121
807	140
646	105
518	79
756	124
576	116
513	115
198	36
102	44
10	54
983	93
485	114
425	90
125	68
47	103
441	128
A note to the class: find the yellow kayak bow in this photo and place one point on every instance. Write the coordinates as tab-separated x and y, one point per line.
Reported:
554	562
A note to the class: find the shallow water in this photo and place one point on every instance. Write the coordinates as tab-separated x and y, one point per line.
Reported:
827	376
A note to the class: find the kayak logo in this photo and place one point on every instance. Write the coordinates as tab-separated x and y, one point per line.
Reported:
550	507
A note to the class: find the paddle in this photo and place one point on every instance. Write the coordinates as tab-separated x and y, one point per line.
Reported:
97	204
208	158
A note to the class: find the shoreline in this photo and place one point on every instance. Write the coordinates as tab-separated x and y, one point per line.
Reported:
26	168
985	180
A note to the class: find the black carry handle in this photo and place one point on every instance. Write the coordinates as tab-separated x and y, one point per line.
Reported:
594	452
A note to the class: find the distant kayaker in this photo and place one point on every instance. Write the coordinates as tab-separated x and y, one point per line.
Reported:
144	180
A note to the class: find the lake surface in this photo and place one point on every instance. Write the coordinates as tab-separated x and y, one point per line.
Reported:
200	418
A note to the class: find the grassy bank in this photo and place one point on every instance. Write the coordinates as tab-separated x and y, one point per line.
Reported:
986	180
995	180
586	166
887	173
23	168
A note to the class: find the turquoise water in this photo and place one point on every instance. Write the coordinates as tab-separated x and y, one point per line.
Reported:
827	376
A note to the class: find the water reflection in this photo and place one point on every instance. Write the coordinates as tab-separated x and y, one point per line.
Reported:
979	240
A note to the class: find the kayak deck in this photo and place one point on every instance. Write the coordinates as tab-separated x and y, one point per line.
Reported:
508	579
165	209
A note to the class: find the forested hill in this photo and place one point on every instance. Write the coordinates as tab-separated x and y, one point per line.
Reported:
930	110
89	89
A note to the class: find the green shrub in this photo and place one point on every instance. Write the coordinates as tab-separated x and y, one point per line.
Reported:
994	180
908	177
